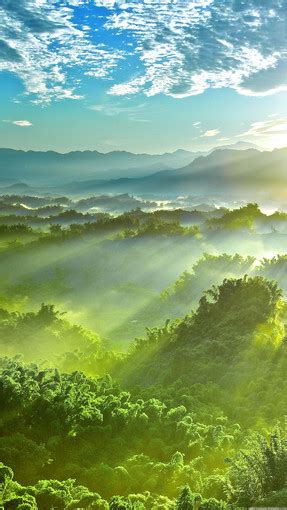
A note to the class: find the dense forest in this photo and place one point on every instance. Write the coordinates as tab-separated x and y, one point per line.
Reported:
143	354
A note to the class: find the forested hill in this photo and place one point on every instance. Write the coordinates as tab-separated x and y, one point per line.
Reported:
189	406
98	412
233	342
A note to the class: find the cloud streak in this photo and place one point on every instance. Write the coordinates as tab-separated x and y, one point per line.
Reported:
22	123
273	132
19	123
134	113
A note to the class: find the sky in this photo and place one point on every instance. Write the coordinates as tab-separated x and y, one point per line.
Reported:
142	75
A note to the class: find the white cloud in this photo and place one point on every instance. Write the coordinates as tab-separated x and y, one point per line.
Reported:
20	123
265	127
210	133
186	46
41	44
178	48
271	132
134	112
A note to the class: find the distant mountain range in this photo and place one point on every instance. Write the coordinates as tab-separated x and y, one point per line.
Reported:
51	167
224	170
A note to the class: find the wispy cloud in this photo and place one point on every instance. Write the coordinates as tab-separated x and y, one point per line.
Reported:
266	127
41	43
210	133
178	48
186	47
272	132
20	123
134	113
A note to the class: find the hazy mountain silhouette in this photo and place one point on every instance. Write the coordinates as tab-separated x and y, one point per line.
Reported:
222	170
54	167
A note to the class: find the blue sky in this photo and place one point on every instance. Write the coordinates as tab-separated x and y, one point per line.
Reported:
142	75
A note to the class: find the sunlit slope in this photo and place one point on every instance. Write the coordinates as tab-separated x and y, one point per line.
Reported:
183	295
230	351
188	396
118	287
101	284
120	274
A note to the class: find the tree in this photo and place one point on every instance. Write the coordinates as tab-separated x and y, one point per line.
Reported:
6	476
55	230
120	503
25	502
185	500
259	471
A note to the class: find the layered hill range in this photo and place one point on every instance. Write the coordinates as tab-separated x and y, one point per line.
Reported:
224	170
37	166
241	167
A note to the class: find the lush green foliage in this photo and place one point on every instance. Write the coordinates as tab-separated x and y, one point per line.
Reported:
191	414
